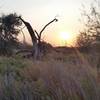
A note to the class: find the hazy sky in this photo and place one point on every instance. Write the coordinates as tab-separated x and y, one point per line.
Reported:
40	12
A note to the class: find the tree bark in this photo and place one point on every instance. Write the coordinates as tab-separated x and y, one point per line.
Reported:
36	37
33	37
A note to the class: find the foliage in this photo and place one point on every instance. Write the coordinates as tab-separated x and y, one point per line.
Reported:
11	65
91	20
8	33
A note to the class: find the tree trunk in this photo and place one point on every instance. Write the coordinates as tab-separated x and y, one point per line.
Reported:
33	37
36	40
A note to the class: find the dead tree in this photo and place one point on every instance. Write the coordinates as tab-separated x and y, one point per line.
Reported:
36	37
33	38
39	35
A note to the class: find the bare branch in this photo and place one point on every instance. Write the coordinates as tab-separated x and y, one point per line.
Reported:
37	33
54	20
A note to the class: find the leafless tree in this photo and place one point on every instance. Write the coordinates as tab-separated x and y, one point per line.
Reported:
91	21
36	37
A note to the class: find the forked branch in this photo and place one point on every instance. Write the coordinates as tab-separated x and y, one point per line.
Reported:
54	20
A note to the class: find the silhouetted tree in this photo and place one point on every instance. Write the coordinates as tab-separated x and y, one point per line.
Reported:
39	36
91	20
32	35
8	33
36	37
84	40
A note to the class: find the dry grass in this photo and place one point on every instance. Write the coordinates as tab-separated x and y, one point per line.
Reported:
58	77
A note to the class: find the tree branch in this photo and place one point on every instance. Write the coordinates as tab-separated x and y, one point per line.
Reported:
54	20
37	33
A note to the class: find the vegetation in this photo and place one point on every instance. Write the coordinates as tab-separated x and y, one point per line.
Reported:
62	73
91	21
37	50
22	79
8	33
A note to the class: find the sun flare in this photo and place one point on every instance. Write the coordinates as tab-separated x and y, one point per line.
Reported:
65	38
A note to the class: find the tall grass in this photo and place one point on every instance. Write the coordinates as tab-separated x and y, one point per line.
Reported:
21	79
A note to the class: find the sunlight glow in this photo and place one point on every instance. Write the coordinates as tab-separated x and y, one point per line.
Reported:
65	38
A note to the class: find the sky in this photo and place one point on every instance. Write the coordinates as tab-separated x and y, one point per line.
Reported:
40	12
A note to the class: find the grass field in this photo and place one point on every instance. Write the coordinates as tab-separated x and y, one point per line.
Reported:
60	75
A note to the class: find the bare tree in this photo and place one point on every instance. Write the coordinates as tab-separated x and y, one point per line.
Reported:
36	37
91	20
84	39
39	35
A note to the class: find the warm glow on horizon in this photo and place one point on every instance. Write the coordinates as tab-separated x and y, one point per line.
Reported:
66	38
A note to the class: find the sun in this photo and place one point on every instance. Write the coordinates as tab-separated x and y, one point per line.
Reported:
65	36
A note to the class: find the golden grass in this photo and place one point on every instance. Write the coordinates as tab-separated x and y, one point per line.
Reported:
57	77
